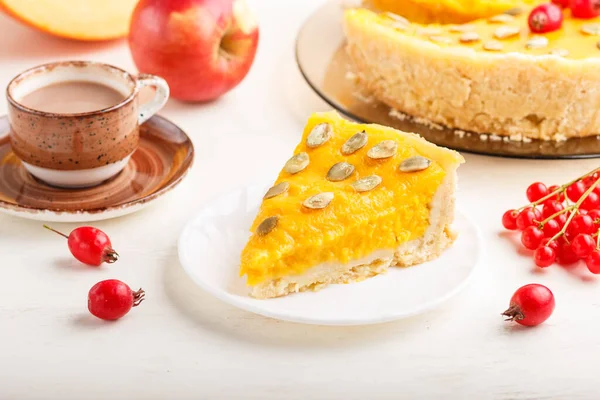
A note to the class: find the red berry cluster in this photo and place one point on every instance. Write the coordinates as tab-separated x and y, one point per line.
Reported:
548	17
562	223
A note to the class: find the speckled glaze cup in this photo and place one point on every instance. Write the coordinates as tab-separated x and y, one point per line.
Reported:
80	149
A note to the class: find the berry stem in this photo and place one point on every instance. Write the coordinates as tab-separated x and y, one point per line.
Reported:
556	214
560	189
55	231
576	208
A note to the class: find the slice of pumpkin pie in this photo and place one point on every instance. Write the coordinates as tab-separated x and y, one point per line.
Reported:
353	200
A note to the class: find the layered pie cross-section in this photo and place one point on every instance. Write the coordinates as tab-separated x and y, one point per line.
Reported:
352	200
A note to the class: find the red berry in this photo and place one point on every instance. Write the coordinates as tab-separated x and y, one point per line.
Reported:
595	216
583	245
593	262
536	191
111	299
591	201
575	191
585	8
566	255
561	219
562	3
551	207
560	197
509	220
545	18
581	224
532	237
526	218
544	256
89	245
552	244
589	181
530	305
551	228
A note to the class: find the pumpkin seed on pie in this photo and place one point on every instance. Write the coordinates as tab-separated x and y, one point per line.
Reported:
505	32
340	171
367	183
414	164
492	45
355	143
267	226
319	135
502	19
397	18
428	31
385	149
276	190
469	37
318	201
440	39
297	163
537	42
591	29
515	11
462	28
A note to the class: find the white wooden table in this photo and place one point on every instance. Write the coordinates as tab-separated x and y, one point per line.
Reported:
183	344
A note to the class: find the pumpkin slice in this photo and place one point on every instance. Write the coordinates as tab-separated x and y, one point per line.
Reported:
74	19
353	200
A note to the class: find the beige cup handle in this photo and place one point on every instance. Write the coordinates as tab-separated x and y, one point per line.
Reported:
161	96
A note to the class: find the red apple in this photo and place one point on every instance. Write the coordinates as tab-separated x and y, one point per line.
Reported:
203	48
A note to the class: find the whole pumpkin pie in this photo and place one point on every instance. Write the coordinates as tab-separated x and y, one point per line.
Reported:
490	75
353	200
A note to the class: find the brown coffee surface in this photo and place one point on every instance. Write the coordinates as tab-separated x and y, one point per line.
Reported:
72	97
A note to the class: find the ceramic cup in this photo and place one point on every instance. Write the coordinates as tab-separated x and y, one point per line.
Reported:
79	149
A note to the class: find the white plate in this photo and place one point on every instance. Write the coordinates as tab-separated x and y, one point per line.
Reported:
210	246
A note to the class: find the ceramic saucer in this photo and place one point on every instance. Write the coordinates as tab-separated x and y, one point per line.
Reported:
162	160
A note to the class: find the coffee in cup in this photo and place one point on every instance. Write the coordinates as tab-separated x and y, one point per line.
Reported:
76	123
